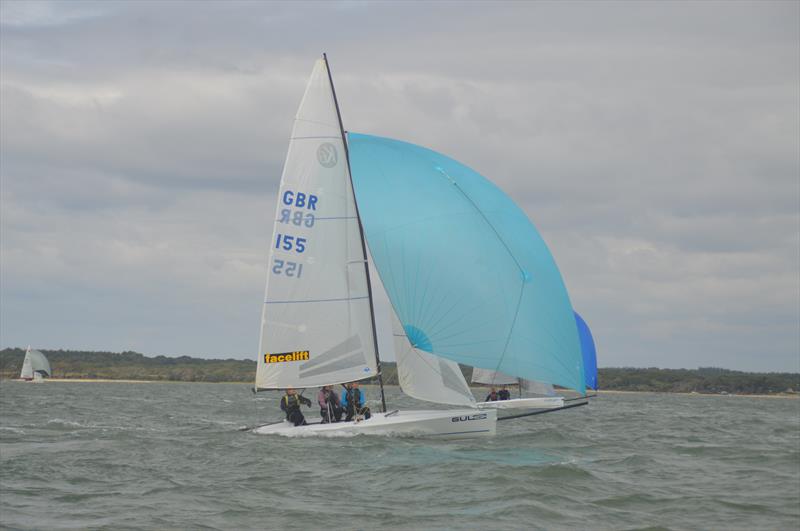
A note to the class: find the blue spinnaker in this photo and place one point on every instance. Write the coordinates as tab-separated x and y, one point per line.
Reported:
589	352
467	273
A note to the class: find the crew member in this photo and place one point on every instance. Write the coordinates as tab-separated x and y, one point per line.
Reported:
503	394
290	403
330	407
353	402
492	396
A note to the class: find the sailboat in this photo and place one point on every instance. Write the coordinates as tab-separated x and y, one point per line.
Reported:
35	366
545	394
589	353
464	269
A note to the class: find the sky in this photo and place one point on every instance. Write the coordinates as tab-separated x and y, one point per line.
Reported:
655	145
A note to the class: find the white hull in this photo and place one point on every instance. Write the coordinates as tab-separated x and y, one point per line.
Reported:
37	378
543	402
445	424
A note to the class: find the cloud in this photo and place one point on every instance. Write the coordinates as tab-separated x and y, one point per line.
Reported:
654	145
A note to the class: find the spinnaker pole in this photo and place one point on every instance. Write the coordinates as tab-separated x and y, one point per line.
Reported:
361	233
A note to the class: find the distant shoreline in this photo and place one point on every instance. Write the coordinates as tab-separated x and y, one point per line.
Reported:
133	367
600	392
108	380
620	392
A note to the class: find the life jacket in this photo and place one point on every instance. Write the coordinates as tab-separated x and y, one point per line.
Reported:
291	402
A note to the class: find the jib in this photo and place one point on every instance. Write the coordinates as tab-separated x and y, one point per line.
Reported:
462	418
300	200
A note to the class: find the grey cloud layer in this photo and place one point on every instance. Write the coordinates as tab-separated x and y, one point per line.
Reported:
655	145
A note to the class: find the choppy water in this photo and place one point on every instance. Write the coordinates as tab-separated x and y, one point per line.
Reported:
82	455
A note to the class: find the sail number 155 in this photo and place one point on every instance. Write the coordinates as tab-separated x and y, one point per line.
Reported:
288	243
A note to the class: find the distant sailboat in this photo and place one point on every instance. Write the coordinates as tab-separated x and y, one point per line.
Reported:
545	393
589	352
35	366
469	278
545	398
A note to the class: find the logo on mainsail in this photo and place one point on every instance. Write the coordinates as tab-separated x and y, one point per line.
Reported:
326	155
298	355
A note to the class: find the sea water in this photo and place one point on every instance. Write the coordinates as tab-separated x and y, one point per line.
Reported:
171	455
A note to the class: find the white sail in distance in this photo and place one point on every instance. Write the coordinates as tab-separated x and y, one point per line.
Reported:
316	326
34	363
27	369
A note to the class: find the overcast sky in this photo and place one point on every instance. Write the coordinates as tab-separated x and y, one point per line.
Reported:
656	146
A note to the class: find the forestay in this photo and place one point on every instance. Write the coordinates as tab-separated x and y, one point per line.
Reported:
469	276
425	376
316	322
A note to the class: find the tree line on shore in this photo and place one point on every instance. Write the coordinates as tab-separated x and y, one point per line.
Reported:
70	364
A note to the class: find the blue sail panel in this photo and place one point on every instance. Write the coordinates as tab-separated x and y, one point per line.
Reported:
589	352
466	271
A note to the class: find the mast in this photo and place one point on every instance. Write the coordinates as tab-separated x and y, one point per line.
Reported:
361	233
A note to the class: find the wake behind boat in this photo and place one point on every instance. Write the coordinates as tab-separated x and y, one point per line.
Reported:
469	279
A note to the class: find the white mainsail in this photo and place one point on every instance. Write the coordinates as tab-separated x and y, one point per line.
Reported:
425	376
533	387
316	325
27	368
489	377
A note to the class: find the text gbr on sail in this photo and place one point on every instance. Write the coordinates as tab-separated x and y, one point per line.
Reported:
300	200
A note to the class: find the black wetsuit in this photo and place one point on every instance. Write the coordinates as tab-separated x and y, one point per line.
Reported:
503	394
291	405
331	411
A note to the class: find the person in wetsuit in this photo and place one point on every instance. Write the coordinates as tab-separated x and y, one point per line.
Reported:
353	402
290	404
330	406
492	396
503	394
